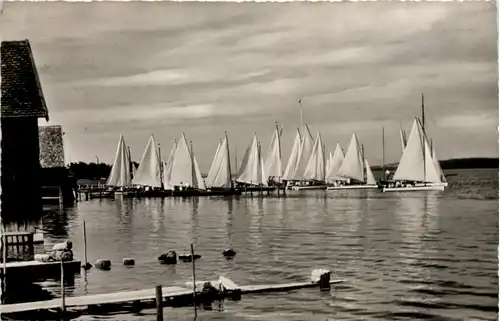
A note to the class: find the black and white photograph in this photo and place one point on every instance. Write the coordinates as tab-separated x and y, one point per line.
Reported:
282	161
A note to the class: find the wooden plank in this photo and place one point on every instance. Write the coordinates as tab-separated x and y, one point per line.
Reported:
281	287
97	299
142	295
21	264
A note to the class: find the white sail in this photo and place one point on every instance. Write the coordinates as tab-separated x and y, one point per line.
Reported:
293	160
222	167
432	174
120	174
198	179
335	164
438	166
262	171
305	153
212	172
184	170
328	163
168	167
149	171
352	166
273	159
411	166
251	167
370	179
315	169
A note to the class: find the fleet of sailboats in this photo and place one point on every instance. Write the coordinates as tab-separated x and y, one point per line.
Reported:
309	166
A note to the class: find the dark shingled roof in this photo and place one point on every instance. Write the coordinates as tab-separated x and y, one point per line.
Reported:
21	91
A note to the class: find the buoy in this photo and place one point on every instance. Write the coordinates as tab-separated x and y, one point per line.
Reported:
87	266
168	258
128	261
229	253
103	264
188	257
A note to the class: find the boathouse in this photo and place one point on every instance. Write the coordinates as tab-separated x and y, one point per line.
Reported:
22	104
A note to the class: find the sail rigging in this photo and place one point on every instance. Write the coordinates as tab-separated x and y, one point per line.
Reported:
213	168
293	160
149	171
335	163
252	171
370	179
417	163
402	135
315	169
184	170
120	174
352	167
220	175
304	154
273	160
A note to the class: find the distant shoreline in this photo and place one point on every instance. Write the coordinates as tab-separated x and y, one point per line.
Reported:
455	163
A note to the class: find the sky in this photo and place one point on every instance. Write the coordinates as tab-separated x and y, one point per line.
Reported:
162	68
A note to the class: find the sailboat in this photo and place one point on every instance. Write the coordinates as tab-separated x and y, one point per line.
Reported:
315	170
333	166
299	157
272	165
185	172
149	172
293	159
353	169
417	169
167	165
252	170
121	171
219	175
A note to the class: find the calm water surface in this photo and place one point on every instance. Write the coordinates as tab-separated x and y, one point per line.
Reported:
417	255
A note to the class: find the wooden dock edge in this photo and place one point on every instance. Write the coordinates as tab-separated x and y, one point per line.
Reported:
145	298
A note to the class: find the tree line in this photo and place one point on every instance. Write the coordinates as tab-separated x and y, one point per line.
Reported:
82	170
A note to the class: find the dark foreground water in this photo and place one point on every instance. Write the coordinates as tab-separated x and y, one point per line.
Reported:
417	255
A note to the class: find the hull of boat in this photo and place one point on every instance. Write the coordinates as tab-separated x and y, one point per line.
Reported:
414	188
305	188
331	188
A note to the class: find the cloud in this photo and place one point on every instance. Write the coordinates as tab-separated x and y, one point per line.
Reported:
160	67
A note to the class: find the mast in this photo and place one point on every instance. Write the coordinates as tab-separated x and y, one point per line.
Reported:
423	132
363	160
301	115
235	161
193	174
130	164
383	154
161	166
228	161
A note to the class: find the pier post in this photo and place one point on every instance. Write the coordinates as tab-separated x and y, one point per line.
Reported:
194	277
63	294
159	304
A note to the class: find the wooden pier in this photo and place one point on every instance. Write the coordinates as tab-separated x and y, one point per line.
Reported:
147	298
38	270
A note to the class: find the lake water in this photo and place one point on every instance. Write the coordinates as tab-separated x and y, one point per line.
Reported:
416	255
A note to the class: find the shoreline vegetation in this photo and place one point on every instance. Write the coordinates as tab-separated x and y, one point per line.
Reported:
82	170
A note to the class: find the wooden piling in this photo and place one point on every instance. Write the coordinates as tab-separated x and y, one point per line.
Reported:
85	262
63	294
159	304
194	277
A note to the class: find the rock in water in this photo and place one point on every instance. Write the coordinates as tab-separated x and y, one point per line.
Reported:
168	258
103	264
128	261
229	253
